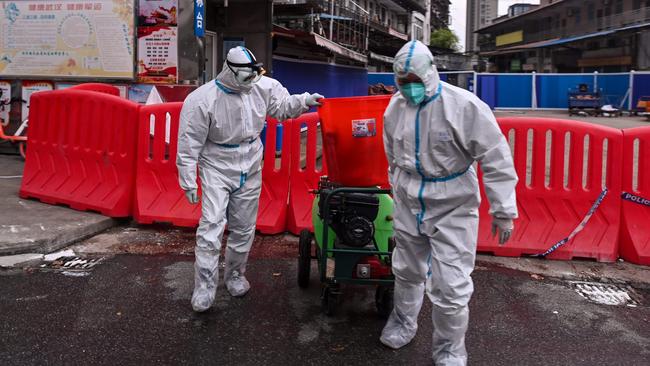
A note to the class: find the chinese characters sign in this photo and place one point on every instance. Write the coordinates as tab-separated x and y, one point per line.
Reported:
158	12
67	38
199	18
158	54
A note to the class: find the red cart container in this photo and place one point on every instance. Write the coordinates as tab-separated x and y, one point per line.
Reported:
352	131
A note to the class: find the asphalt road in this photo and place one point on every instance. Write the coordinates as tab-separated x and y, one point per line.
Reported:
134	310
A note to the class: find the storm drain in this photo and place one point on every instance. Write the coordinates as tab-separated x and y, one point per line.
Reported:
72	264
607	294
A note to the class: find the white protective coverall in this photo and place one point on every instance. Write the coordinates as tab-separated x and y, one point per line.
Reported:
220	125
431	149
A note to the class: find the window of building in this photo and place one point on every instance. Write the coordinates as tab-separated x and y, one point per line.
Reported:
608	11
636	5
599	13
619	7
564	23
611	43
577	16
591	12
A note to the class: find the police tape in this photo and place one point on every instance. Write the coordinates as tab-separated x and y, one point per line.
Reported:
636	199
578	229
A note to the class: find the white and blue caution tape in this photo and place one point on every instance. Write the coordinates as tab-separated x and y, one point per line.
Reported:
636	199
579	228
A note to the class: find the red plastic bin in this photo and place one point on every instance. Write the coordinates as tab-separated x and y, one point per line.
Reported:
353	145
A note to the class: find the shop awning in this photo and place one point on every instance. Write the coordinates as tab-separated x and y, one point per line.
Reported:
382	58
560	41
338	49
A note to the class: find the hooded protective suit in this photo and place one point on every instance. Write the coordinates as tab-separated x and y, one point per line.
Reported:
219	131
431	148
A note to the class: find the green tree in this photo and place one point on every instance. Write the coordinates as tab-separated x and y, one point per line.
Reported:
444	38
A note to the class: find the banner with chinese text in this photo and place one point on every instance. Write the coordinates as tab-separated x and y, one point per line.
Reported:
67	38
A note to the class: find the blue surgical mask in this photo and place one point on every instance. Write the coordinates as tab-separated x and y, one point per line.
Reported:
414	92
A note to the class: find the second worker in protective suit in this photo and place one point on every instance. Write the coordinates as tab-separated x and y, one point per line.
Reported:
433	134
219	131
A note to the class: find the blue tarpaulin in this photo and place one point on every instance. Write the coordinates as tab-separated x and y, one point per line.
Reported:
641	87
328	80
553	90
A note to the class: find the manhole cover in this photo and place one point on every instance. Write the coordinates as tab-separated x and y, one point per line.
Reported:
72	263
607	294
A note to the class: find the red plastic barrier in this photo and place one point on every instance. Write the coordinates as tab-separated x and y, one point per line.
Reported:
98	87
353	140
158	196
81	151
302	180
272	214
635	235
550	212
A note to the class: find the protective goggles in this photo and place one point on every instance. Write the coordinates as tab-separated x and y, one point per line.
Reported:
407	79
257	68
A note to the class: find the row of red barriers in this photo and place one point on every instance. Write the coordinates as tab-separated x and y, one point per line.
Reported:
102	153
551	208
81	151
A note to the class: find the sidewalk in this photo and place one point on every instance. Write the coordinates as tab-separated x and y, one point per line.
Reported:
615	122
28	226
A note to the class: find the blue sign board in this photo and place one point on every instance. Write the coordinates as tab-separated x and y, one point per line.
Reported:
199	18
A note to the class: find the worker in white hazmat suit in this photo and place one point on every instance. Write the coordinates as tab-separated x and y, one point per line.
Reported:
219	131
433	134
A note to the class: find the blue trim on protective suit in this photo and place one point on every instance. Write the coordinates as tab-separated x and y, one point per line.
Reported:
250	58
223	87
418	165
234	146
408	58
242	180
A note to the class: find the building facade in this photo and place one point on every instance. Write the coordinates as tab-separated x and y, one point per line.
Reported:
571	36
480	13
362	33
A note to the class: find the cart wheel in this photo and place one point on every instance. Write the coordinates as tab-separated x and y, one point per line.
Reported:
304	260
22	147
329	301
384	300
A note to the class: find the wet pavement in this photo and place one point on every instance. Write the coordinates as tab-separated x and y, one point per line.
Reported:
133	309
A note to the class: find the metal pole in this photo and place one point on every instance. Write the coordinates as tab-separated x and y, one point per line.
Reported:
201	60
631	101
533	102
475	78
331	19
595	81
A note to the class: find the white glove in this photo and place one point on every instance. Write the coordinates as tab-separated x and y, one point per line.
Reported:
312	100
192	196
504	227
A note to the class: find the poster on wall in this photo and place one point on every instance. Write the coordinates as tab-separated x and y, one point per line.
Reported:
5	105
139	93
158	13
67	38
157	54
29	88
